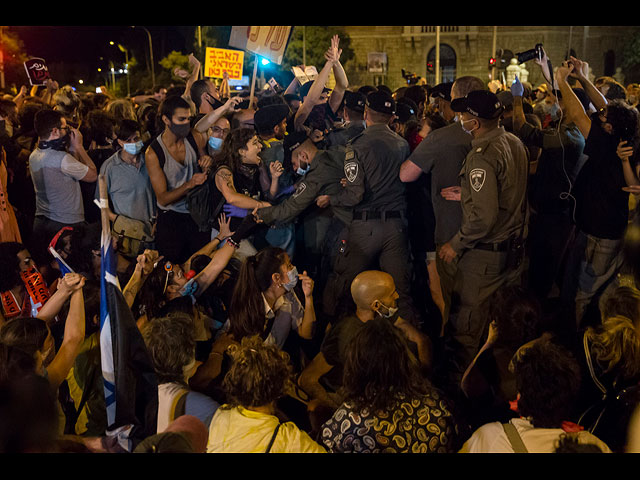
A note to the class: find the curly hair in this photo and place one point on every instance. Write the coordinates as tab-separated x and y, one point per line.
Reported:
171	345
548	380
516	313
121	109
379	368
229	151
259	374
623	301
615	345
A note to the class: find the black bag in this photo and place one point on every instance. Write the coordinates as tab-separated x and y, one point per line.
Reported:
200	201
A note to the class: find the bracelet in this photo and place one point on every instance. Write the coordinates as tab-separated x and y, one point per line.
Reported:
233	243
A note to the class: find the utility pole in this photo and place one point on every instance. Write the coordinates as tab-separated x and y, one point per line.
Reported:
1	58
437	55
493	50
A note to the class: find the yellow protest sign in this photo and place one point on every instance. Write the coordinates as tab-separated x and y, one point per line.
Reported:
220	60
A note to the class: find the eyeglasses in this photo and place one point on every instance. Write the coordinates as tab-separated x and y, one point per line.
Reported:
223	131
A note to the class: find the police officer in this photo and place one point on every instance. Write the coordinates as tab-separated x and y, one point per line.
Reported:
378	231
353	115
493	184
321	173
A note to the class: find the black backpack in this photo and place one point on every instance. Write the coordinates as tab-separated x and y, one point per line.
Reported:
200	199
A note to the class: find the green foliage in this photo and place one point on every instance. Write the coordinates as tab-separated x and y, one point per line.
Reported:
317	40
631	50
175	59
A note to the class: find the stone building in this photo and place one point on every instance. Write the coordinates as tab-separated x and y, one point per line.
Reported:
465	50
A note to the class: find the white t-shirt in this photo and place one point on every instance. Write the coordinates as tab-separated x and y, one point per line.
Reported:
491	438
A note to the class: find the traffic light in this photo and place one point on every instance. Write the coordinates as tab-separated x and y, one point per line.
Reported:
430	68
492	62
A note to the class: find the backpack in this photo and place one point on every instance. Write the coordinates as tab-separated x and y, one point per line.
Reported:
200	202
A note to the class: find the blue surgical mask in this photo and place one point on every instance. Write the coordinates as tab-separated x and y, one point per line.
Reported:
293	280
302	171
133	148
215	143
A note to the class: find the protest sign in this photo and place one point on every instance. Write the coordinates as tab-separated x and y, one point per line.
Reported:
37	71
220	60
268	42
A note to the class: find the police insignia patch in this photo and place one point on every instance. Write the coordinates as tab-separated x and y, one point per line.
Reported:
351	171
301	188
477	177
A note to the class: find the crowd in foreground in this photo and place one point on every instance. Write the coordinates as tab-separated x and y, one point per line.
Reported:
435	269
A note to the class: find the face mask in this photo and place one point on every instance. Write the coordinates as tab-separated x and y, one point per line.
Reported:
391	311
293	279
215	143
215	104
302	171
133	148
59	144
462	122
181	130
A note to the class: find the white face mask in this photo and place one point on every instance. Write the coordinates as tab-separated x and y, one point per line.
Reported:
390	311
462	122
189	369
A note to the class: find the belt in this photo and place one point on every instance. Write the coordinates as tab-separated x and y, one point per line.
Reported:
367	215
495	247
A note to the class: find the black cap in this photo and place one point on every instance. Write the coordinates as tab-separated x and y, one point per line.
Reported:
292	141
266	118
479	103
442	90
404	111
381	102
354	101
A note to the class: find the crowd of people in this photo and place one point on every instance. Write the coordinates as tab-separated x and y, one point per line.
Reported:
435	269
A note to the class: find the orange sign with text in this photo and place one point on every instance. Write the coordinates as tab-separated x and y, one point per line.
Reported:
220	60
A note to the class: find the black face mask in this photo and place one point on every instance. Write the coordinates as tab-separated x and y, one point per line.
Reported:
215	104
180	130
59	144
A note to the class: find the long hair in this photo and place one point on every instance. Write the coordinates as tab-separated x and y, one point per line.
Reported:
246	312
229	154
26	333
616	347
379	369
259	373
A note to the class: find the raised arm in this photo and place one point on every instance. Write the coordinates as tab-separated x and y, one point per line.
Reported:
74	330
342	83
581	72
572	104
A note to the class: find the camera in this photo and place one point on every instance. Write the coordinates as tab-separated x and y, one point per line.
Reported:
530	54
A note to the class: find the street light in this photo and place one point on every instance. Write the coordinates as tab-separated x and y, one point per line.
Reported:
126	70
153	74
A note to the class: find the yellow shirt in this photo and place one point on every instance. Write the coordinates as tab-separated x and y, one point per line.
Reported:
238	430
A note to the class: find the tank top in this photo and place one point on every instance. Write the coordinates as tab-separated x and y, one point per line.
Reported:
178	174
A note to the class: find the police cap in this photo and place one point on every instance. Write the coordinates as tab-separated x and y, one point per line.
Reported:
292	141
266	118
404	111
381	102
479	103
442	90
354	101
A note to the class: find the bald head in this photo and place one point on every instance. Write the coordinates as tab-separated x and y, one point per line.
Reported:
370	286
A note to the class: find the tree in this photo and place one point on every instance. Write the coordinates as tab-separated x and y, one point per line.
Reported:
14	56
631	56
317	41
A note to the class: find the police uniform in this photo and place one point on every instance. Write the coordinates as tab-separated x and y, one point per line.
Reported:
377	235
322	178
493	182
339	136
265	120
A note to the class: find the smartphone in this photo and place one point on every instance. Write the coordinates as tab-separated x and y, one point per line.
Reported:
243	105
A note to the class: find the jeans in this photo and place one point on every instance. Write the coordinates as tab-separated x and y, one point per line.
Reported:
592	264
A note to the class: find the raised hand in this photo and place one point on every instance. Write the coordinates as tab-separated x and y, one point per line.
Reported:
276	169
